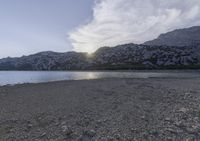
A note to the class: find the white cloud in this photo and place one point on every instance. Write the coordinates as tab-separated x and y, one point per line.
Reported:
123	21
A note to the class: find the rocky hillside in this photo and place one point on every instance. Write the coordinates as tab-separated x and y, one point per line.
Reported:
129	56
46	61
174	50
132	56
179	37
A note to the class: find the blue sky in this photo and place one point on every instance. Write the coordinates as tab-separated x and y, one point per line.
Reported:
30	26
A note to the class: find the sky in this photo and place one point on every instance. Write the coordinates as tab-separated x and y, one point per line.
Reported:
30	26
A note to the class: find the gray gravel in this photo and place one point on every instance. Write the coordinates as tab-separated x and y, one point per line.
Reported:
102	110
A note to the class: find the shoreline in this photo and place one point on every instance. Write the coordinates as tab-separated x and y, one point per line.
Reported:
95	79
125	70
11	78
101	109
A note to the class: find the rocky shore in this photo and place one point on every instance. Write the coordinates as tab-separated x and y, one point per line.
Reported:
102	110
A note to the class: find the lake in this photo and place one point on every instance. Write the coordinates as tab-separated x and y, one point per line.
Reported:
19	77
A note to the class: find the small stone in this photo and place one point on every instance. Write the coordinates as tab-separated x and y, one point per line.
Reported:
179	124
142	117
117	136
195	127
191	130
99	121
171	130
90	133
57	123
196	118
63	123
43	134
187	95
154	132
12	130
30	125
133	130
67	130
183	110
167	119
39	118
110	139
169	139
190	139
105	120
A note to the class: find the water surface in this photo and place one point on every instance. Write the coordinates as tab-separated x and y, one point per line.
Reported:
18	77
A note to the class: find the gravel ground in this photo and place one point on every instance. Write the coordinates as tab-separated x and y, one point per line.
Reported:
102	110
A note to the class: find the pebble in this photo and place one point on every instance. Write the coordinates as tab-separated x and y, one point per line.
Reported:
190	139
43	134
167	119
90	133
169	139
67	130
179	124
133	129
183	110
30	125
117	136
109	139
171	130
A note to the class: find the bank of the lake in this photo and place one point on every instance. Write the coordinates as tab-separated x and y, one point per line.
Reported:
103	110
21	77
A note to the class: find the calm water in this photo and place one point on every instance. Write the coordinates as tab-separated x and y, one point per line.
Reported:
16	77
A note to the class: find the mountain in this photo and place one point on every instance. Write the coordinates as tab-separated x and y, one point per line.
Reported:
179	49
180	37
46	61
129	56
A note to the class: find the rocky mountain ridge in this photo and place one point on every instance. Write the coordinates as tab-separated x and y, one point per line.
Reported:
129	56
179	37
173	50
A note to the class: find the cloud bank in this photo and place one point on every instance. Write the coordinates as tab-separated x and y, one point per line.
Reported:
123	21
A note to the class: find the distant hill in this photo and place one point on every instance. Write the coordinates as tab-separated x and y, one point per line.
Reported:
129	56
180	37
179	49
46	61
